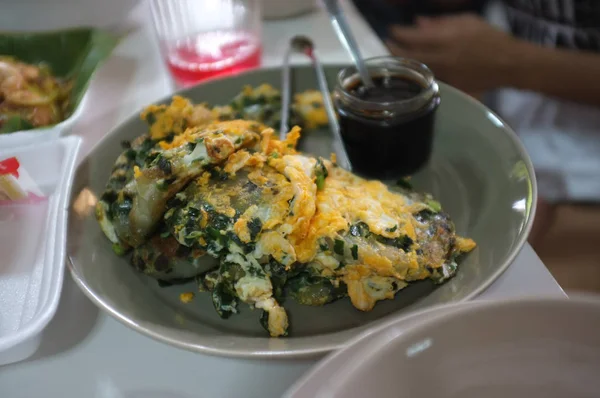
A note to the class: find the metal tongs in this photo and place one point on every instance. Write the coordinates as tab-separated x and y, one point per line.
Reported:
304	45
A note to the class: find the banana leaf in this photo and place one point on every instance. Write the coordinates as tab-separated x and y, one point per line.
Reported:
72	54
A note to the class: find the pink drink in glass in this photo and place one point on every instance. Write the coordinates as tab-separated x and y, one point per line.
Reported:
203	39
211	54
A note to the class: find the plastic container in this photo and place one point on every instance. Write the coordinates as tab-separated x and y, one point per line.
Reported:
33	246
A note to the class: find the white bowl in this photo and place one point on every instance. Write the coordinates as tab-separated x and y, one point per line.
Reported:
279	9
43	134
530	348
40	15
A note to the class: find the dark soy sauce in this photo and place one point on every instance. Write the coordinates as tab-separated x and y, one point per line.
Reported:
382	146
387	89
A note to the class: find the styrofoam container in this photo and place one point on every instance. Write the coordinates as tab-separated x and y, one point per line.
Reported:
32	246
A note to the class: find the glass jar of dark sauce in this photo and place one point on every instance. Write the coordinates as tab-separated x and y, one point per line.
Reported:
387	129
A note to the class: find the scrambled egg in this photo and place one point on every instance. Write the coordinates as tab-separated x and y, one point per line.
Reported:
186	297
278	220
310	106
352	231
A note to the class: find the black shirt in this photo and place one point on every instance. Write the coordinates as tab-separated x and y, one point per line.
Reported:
381	14
573	24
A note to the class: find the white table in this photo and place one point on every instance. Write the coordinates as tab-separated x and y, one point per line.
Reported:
85	353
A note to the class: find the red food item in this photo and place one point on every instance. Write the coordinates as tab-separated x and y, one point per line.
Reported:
10	166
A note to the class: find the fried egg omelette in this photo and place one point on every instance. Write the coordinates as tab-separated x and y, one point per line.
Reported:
256	221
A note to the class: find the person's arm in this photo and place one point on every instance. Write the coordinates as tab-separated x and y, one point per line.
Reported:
474	56
567	74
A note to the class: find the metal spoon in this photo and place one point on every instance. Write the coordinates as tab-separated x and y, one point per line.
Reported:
344	33
304	45
286	94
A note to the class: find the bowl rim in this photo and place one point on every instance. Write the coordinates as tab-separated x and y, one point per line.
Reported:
318	347
62	128
425	320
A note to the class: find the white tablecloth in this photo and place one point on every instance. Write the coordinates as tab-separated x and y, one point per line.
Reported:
85	353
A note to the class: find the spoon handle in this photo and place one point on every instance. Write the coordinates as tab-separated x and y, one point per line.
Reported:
342	29
286	94
344	161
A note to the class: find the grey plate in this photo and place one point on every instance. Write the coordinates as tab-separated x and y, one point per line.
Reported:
479	171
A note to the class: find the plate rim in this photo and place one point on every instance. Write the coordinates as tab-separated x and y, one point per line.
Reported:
319	348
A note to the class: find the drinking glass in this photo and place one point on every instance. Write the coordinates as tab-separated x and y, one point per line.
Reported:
202	39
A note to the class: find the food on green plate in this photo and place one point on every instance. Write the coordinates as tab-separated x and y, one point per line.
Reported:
263	103
162	257
30	96
136	202
311	109
257	222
